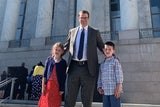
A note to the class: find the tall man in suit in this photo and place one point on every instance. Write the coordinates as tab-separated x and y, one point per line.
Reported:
82	45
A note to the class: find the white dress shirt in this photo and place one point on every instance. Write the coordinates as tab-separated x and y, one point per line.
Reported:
84	58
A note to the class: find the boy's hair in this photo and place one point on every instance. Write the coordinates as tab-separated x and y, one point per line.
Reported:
109	43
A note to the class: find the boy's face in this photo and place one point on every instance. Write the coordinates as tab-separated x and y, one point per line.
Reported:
108	51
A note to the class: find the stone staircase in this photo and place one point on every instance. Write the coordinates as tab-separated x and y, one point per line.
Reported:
27	103
17	103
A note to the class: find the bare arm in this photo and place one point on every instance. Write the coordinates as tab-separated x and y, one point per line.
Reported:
43	85
117	92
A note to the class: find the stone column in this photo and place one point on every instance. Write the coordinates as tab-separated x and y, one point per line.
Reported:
145	18
72	14
129	14
81	5
129	19
2	12
44	18
99	15
61	17
30	21
9	24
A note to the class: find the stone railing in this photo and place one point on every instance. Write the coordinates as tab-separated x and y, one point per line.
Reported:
106	35
149	32
19	43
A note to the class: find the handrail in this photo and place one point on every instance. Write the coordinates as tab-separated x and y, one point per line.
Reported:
4	80
7	81
12	88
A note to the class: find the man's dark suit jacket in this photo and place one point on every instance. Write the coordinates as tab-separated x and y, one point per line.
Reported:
94	41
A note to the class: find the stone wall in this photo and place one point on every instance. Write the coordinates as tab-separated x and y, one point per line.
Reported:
141	66
139	58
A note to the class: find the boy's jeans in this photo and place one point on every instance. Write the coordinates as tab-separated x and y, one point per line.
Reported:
111	101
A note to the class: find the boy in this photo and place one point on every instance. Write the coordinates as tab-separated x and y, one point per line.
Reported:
110	77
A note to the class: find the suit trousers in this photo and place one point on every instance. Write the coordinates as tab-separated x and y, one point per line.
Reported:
79	78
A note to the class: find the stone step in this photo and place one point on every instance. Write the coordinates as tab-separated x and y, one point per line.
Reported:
26	103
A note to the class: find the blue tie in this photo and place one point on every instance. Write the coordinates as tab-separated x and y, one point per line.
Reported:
81	44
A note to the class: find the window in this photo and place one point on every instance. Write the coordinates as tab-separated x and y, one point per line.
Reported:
19	42
21	20
115	6
52	17
115	19
155	11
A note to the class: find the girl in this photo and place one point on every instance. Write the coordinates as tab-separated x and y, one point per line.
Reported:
53	82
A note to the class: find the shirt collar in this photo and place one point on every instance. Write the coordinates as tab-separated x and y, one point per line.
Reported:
109	58
86	27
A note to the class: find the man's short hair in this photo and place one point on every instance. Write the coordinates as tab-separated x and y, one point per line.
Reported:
84	12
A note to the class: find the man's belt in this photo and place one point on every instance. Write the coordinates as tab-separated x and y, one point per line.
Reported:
81	63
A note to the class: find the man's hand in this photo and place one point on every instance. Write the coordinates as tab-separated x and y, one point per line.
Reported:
100	90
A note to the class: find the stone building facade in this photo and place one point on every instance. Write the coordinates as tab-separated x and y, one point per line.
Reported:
28	28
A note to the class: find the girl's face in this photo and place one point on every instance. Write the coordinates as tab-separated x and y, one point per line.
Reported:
108	51
57	51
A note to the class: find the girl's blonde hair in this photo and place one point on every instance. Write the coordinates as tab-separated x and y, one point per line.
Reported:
58	44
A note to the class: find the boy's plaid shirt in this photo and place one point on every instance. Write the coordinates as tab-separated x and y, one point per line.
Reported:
110	73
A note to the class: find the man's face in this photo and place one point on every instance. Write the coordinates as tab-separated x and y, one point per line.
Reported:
83	19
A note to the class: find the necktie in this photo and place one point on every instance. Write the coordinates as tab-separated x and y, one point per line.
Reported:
81	44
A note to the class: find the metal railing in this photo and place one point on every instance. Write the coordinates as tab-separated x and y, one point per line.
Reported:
7	81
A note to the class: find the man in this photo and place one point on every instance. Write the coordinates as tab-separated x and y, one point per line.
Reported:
20	84
82	44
